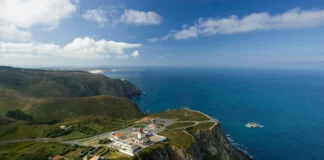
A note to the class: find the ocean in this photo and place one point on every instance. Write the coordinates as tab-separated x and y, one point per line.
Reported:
288	103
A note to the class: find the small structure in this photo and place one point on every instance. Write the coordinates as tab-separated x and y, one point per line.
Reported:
151	126
95	158
57	157
140	133
118	136
63	127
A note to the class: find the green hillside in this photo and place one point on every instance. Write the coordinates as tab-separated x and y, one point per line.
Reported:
67	108
50	83
35	103
87	115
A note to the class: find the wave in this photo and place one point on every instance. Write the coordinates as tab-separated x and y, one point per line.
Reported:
240	147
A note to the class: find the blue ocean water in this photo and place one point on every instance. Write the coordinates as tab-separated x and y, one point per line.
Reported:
288	103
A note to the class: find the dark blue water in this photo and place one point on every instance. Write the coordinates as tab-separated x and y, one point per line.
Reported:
288	103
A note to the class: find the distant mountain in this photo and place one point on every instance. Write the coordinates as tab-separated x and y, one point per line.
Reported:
52	83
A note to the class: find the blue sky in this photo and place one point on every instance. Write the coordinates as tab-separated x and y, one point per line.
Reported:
162	33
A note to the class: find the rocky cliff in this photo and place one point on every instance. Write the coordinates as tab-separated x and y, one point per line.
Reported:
208	144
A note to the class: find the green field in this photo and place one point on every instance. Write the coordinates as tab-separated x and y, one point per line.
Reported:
178	138
182	115
37	150
201	126
180	124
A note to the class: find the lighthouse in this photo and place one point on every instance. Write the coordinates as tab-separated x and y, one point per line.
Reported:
140	134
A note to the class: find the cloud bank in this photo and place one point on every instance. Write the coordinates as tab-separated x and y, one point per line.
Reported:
80	48
12	33
25	14
291	19
17	16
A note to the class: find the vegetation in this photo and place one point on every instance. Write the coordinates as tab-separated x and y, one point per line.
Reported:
201	126
57	132
67	108
104	141
87	116
5	120
19	115
9	131
37	150
178	138
147	152
180	125
182	115
50	83
139	125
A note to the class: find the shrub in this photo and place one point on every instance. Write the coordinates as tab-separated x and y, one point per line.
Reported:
19	115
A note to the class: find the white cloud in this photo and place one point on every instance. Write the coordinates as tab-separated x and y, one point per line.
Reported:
186	33
166	37
131	16
27	13
17	16
89	46
97	15
79	48
28	50
11	33
295	18
135	54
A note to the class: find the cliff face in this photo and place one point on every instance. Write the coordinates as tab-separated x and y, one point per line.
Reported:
209	144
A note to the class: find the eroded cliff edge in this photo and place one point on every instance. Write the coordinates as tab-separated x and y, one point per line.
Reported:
208	142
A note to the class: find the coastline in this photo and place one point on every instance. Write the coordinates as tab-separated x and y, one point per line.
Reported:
242	151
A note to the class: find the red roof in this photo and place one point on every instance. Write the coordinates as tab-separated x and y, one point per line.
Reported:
95	158
57	157
118	134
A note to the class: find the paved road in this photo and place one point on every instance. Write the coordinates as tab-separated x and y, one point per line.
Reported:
85	141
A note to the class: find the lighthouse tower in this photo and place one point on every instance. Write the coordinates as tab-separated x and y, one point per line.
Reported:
140	133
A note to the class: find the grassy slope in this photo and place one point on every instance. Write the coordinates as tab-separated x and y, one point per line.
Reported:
45	83
67	108
29	91
178	138
201	126
181	115
180	124
34	150
89	115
